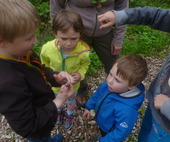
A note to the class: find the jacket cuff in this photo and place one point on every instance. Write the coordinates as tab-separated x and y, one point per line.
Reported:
87	107
165	109
121	17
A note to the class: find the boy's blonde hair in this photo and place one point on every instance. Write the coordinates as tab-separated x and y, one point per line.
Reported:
132	68
66	19
18	17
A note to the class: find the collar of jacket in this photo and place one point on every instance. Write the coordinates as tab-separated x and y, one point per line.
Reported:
76	51
26	60
131	93
22	59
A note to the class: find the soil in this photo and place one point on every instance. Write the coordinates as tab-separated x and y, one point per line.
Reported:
82	131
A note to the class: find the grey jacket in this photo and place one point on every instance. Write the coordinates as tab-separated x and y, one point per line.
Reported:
159	19
89	13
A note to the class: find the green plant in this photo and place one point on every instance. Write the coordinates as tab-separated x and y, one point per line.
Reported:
12	139
95	65
136	3
145	41
42	40
44	11
8	132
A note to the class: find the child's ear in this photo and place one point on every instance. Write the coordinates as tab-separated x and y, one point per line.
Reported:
55	33
2	42
131	87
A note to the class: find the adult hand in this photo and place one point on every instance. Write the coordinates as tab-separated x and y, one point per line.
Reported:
107	19
65	93
77	77
63	77
115	50
159	100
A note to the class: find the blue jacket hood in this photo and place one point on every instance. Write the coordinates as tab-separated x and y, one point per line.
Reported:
131	98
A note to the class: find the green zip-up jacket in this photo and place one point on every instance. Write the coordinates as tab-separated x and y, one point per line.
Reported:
77	61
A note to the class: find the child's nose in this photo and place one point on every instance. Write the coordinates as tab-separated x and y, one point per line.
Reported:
68	42
109	80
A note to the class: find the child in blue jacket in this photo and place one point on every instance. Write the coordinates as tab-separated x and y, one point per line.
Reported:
156	123
116	102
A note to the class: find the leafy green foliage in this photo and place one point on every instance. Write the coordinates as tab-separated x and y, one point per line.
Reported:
136	3
95	65
145	41
151	3
44	11
42	40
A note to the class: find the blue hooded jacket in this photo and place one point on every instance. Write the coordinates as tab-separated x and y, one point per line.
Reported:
116	114
159	19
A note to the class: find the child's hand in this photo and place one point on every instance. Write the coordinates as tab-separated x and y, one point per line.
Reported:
86	114
65	93
77	77
63	77
159	100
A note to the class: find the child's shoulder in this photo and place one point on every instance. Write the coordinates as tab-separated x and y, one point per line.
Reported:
48	47
49	43
141	87
83	45
103	86
11	70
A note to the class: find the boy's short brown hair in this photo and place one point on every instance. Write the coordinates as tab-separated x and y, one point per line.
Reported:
132	68
65	19
18	17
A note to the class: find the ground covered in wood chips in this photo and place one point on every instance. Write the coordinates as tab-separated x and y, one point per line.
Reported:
82	131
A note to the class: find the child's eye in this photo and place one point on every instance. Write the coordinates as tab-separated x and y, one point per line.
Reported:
30	38
63	38
118	81
73	38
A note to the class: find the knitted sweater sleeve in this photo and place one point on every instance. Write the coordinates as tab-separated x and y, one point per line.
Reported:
156	18
165	109
119	32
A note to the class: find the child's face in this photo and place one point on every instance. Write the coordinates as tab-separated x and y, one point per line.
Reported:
115	83
68	40
20	46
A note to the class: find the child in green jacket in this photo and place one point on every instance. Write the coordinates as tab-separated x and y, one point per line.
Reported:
67	53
